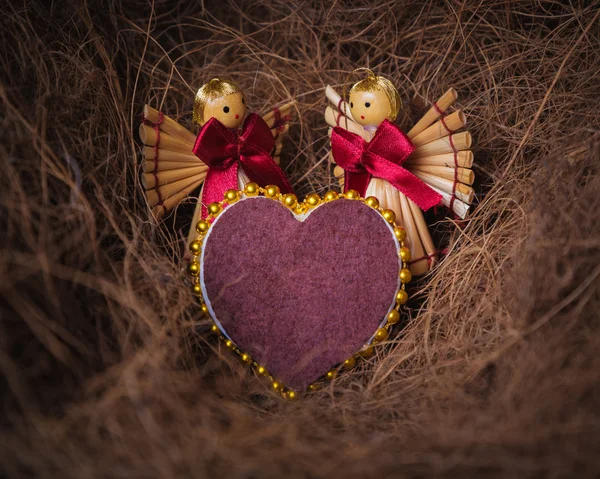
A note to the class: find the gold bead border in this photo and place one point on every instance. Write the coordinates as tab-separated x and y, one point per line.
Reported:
290	201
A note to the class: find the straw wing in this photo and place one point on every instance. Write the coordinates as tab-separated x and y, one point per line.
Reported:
278	120
171	170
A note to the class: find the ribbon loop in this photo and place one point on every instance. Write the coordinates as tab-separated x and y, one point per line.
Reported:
381	158
224	150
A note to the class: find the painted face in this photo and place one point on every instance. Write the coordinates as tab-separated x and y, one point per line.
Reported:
229	110
369	108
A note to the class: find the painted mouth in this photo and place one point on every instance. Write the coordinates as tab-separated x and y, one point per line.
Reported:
362	117
237	116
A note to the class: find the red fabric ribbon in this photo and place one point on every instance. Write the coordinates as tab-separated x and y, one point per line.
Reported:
223	150
382	157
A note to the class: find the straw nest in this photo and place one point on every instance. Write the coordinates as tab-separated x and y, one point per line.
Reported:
105	370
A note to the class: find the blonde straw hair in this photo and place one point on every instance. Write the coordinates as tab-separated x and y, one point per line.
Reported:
215	88
378	83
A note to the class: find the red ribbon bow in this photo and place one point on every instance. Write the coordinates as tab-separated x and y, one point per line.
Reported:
223	150
382	157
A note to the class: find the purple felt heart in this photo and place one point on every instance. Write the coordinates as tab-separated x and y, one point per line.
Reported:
299	296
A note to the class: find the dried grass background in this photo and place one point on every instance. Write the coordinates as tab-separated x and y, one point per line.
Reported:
105	371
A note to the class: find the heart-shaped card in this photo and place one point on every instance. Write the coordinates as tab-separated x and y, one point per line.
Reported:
299	288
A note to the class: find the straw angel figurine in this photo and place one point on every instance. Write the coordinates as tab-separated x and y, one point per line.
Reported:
408	174
230	150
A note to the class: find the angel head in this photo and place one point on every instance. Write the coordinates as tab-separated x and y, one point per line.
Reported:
220	99
374	99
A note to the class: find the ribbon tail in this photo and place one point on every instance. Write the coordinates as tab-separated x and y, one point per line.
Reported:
261	169
255	156
216	183
415	189
358	181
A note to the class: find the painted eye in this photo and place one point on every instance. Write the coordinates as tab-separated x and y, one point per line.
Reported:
367	104
351	105
226	109
244	101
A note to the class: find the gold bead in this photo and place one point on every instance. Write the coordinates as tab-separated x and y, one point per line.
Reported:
400	233
349	363
401	297
368	351
194	268
381	335
331	195
197	289
204	308
389	216
202	227
261	370
292	395
300	208
351	195
393	317
372	202
289	200
277	385
251	189
271	191
405	254
405	275
313	387
214	209
214	328
331	374
246	358
229	343
231	196
195	247
312	200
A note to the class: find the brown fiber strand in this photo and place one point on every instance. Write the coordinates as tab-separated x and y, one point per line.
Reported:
106	370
